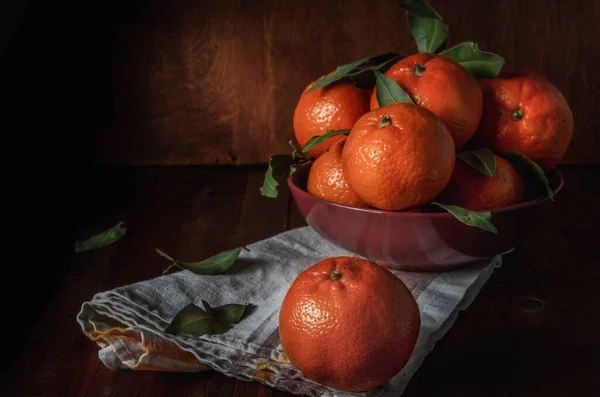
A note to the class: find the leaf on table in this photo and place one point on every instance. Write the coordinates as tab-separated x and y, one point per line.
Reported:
194	320
478	63
102	239
216	264
388	91
278	164
319	139
530	170
427	26
482	220
481	160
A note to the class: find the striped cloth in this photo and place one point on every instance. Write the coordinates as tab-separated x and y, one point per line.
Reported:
128	322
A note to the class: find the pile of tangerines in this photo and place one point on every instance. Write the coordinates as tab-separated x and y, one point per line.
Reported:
407	154
444	127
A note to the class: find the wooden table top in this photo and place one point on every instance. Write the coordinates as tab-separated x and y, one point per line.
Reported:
532	331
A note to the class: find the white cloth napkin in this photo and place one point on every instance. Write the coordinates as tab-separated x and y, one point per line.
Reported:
131	319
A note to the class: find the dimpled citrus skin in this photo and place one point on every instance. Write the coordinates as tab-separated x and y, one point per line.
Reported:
470	189
400	166
445	88
335	107
353	333
545	130
326	178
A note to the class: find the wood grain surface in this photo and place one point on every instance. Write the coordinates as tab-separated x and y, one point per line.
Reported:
530	332
216	82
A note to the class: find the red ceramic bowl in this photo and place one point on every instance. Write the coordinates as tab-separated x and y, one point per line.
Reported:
419	241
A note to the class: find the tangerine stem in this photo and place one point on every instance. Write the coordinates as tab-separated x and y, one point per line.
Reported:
419	69
335	275
385	121
518	114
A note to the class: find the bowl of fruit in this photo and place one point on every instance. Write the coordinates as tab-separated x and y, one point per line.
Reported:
421	240
430	161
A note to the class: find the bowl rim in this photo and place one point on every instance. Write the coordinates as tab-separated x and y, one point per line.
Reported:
525	204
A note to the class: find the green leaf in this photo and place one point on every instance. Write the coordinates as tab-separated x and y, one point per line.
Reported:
481	160
529	169
278	163
319	139
364	77
193	320
353	69
482	220
428	29
388	91
102	239
340	72
478	63
216	264
430	34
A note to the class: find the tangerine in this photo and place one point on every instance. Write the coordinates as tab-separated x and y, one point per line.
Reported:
326	178
398	156
348	323
443	86
525	113
336	106
470	189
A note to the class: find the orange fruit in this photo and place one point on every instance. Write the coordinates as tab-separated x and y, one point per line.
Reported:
525	113
442	86
470	189
334	107
326	178
348	323
398	156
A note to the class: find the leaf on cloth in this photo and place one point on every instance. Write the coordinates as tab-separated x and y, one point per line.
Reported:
195	320
216	264
482	220
102	239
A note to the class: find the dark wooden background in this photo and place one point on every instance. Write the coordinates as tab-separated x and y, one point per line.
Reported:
216	82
